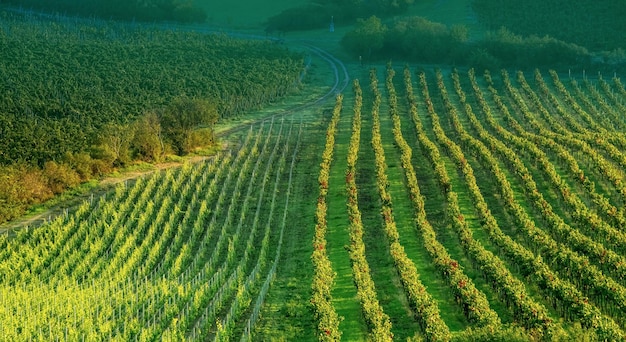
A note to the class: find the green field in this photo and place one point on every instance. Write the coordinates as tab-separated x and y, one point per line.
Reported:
371	202
228	240
507	194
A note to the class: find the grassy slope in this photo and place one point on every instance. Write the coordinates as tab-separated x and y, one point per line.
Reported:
286	315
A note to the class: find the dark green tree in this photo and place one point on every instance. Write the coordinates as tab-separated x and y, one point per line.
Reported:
114	143
185	115
148	141
367	38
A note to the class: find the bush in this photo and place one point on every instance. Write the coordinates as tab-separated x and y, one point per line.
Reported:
148	142
81	163
317	14
413	38
426	41
59	177
526	52
420	40
183	117
312	16
367	39
186	13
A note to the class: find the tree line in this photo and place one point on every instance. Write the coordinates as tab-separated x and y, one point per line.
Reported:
180	128
140	10
318	14
417	39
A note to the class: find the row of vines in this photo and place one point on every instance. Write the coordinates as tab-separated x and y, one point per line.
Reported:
529	238
187	253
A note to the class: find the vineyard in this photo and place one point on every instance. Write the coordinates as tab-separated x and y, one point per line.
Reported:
65	81
185	253
426	204
416	204
81	97
460	206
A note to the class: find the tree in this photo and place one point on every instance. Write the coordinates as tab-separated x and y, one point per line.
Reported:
115	140
185	115
59	176
367	38
148	141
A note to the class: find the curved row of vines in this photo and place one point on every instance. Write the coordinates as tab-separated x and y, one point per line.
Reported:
516	192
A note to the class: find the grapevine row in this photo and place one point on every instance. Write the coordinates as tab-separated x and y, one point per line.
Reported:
377	320
474	302
324	276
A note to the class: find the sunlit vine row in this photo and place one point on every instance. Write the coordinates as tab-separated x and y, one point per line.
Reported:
560	290
324	276
588	220
474	302
421	301
378	322
531	314
140	303
548	141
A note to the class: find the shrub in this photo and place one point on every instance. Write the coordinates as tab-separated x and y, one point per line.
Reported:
59	176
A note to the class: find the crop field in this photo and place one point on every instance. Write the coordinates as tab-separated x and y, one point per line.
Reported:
456	205
344	201
169	255
440	204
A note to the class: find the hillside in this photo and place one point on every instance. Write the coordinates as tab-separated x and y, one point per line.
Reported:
596	25
83	97
345	198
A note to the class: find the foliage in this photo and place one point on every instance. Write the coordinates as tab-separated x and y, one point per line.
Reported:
527	52
593	24
317	14
113	144
417	38
176	255
420	40
89	94
377	320
63	82
324	276
23	185
530	173
367	36
182	117
142	10
148	140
